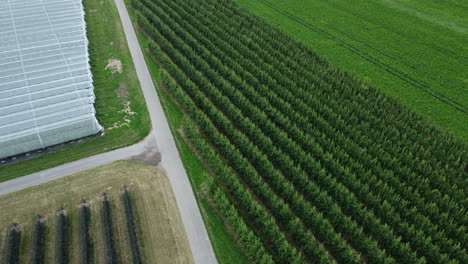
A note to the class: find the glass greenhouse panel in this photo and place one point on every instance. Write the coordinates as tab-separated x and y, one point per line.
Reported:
46	87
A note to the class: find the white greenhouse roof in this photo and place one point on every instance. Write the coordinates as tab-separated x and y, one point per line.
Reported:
46	89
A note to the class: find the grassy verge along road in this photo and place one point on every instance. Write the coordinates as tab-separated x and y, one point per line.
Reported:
163	236
414	51
120	104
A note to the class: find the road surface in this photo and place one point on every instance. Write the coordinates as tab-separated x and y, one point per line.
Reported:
160	139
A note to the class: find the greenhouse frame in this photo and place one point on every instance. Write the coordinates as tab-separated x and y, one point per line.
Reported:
46	88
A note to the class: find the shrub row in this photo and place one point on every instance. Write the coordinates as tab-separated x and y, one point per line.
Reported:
108	232
86	246
131	227
62	238
38	241
12	247
248	240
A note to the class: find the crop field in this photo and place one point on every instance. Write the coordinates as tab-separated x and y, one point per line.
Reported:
309	163
119	213
120	105
414	51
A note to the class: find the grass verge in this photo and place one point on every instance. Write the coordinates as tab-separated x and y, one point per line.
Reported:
116	93
163	236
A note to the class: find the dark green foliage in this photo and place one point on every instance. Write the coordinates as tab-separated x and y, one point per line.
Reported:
108	232
38	241
62	241
323	167
249	241
132	227
12	247
86	245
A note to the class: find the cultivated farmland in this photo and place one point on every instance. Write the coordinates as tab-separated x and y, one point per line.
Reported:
414	50
128	215
310	164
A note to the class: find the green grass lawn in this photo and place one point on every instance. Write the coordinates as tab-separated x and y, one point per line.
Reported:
113	91
225	248
414	51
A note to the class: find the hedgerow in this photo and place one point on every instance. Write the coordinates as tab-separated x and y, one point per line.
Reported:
38	240
109	237
86	245
132	229
62	242
12	246
249	241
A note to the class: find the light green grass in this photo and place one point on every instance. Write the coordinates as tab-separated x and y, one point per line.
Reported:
414	51
225	248
107	41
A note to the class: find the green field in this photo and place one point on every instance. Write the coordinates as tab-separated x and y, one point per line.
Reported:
162	236
415	51
113	90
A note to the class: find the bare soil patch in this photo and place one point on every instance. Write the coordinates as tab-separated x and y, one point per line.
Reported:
115	65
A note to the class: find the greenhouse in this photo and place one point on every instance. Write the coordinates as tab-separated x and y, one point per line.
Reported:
46	89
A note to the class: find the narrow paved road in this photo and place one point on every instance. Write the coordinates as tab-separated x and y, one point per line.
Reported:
73	167
160	139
